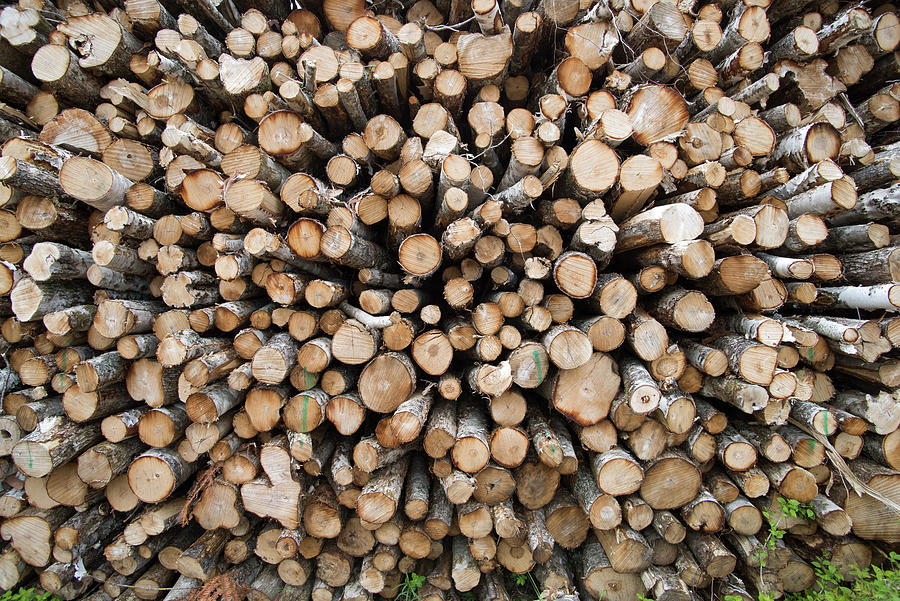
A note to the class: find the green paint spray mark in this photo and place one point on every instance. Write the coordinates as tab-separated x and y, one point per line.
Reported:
303	417
537	359
309	379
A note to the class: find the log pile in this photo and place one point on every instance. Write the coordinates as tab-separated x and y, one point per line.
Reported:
320	297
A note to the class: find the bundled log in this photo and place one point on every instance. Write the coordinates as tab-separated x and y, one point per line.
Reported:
301	301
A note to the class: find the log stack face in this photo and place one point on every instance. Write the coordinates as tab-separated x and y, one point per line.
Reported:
321	297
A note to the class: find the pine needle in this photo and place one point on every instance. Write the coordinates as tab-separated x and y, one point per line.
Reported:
203	479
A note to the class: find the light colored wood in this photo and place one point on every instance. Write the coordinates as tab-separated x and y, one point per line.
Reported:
711	182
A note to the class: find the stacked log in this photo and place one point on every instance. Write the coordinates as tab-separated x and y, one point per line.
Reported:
317	298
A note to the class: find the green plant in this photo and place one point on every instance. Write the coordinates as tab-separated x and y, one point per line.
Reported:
796	509
871	584
27	594
410	587
774	534
787	508
522	580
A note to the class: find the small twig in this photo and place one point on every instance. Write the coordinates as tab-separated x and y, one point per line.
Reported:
858	486
850	109
448	27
